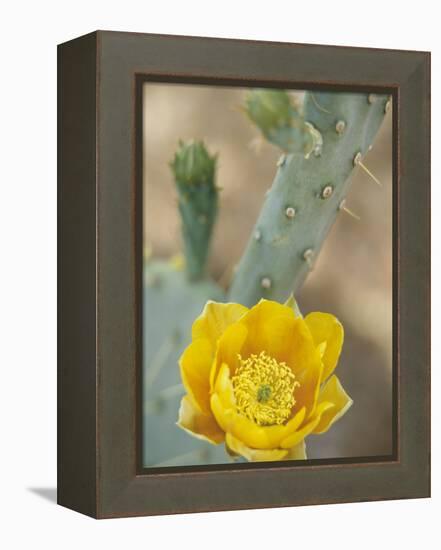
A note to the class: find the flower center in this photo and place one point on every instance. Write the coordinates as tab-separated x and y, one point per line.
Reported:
264	389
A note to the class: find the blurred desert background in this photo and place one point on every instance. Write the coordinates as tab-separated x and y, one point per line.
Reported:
353	274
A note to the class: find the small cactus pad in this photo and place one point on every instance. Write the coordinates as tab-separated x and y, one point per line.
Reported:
194	172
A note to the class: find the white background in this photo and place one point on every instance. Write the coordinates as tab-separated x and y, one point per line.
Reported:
29	34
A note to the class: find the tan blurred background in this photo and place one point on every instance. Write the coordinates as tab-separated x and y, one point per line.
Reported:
353	275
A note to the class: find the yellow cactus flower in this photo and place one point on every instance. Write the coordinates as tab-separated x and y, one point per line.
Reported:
260	380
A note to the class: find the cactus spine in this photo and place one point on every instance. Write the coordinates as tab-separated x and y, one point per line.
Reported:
308	190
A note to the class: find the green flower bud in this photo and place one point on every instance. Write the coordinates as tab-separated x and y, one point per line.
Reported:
282	123
269	109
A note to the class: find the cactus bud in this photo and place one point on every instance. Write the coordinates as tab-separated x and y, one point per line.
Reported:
193	165
269	109
280	121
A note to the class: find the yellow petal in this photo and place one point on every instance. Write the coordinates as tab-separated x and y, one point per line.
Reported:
195	364
275	339
200	425
215	318
325	327
298	452
334	393
270	328
244	429
224	388
229	347
303	353
306	394
262	313
253	455
296	437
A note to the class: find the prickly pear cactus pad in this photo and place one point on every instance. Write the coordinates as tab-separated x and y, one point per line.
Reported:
308	192
171	303
267	297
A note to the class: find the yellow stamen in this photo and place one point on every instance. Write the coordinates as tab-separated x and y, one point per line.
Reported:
264	389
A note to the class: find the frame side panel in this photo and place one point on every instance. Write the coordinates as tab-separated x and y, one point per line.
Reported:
414	276
77	274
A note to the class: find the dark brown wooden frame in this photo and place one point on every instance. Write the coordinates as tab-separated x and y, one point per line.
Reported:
100	222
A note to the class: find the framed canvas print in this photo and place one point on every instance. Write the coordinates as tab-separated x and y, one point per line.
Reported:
244	274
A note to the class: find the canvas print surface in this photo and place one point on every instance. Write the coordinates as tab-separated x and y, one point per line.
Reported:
267	275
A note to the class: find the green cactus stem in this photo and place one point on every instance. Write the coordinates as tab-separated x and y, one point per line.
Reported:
194	172
307	194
